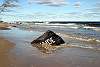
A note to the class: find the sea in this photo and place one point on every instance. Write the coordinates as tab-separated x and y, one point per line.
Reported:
83	35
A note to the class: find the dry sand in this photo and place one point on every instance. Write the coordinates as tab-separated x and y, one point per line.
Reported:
4	26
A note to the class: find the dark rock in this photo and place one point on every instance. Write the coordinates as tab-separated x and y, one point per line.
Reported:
14	26
49	37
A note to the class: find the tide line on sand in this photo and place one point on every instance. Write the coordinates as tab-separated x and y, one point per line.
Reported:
5	44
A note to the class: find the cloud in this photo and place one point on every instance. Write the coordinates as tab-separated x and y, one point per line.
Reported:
77	4
49	2
94	10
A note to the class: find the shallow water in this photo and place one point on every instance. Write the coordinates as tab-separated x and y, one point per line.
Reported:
85	36
25	55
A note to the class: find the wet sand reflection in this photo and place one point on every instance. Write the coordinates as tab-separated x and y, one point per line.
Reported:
49	49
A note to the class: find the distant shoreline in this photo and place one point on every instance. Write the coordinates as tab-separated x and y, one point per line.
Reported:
86	23
94	24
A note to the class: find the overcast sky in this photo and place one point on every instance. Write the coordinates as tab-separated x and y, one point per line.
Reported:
54	10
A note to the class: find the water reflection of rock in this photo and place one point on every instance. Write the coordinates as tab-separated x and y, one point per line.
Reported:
46	48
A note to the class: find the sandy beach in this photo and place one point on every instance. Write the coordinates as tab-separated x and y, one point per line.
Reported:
5	47
16	50
5	44
4	26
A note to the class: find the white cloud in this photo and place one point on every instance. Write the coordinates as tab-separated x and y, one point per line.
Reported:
49	2
77	4
94	11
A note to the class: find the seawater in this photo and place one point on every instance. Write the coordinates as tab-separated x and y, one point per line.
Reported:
80	37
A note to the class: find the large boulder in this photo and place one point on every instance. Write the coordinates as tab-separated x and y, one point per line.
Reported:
49	37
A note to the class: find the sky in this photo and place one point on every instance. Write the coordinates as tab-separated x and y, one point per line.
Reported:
54	10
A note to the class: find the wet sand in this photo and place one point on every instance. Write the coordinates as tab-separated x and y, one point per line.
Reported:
5	47
23	54
5	44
